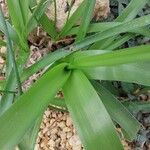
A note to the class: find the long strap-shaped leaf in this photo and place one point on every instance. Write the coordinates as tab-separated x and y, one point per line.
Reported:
22	114
136	106
29	139
36	15
48	59
122	28
72	20
128	14
2	43
86	18
19	13
134	73
89	115
103	26
124	56
125	27
49	26
11	70
118	112
131	10
7	98
13	35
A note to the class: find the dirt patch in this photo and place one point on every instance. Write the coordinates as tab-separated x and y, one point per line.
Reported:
57	132
101	10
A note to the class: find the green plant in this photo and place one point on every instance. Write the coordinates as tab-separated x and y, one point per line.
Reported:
77	70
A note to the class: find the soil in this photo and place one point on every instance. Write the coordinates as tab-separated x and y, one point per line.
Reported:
101	10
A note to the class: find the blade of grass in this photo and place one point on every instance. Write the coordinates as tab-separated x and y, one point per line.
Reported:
49	26
124	27
131	10
137	106
86	18
24	8
8	97
100	27
12	33
70	3
120	41
89	115
20	116
110	42
18	38
95	27
128	14
55	6
72	20
2	43
3	91
11	62
18	11
2	83
36	15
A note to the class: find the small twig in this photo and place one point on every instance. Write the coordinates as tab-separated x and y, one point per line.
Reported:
55	7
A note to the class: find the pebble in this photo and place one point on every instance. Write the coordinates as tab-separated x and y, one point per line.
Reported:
69	134
61	125
3	50
54	131
74	140
51	143
57	132
68	121
63	136
66	129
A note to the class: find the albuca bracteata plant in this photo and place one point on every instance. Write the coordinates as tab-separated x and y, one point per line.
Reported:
77	70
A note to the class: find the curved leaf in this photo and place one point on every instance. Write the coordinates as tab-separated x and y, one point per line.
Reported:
118	112
123	56
44	62
22	114
86	18
89	115
134	73
72	20
122	28
29	139
127	14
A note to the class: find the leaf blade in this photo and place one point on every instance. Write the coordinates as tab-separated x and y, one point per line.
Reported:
21	115
90	117
118	112
87	15
123	56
